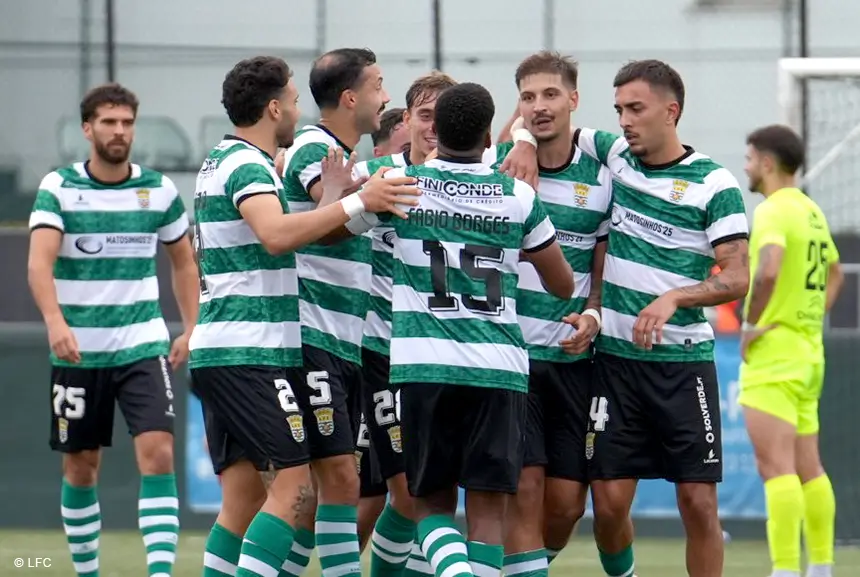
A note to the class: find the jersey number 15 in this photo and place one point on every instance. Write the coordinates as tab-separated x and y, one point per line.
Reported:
441	299
816	258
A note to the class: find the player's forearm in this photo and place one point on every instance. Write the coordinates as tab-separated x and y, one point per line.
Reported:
728	285
595	294
300	229
186	291
834	286
762	290
41	280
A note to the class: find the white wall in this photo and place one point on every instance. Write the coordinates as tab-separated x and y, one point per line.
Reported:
175	54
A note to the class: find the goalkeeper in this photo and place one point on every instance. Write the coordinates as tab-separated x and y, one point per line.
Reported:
796	277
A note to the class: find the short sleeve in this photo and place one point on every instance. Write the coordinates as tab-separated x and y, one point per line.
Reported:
174	224
495	155
600	145
605	178
361	170
538	230
249	179
305	165
47	209
769	225
726	218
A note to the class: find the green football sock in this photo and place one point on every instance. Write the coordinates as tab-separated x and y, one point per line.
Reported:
222	553
82	521
390	543
528	564
158	519
266	544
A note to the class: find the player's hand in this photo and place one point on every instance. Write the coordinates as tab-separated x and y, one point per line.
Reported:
648	328
586	329
337	177
279	161
63	342
382	194
749	336
521	162
178	351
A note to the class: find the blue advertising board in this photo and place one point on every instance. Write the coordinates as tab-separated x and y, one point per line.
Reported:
741	495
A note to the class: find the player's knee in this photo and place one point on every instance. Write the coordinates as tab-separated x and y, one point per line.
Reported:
337	480
154	453
612	502
530	490
81	469
697	502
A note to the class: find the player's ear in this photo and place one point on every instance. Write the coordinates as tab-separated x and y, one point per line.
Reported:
347	99
574	100
674	113
88	130
488	139
406	116
376	152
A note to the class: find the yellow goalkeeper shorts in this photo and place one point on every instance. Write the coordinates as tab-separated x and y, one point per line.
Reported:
789	390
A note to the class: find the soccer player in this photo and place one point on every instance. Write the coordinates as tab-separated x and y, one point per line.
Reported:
394	534
246	358
796	277
655	411
576	191
95	228
391	139
334	285
457	352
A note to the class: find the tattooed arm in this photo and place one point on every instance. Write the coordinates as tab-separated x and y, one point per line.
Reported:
730	284
764	281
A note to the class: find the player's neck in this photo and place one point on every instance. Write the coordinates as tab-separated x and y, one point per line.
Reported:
107	172
415	156
776	182
465	157
263	139
672	151
556	152
341	126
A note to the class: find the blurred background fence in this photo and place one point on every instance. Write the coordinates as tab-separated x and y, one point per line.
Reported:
174	55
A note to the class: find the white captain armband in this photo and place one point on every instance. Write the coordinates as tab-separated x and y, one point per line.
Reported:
362	223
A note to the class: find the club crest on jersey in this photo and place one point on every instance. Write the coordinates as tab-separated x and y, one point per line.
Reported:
589	445
580	194
325	420
143	198
297	427
63	429
396	442
679	188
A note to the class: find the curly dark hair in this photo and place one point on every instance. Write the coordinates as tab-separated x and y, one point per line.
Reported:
113	94
464	114
251	85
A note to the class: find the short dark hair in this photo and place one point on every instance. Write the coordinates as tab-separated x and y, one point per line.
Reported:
656	74
426	87
111	93
464	114
251	85
337	71
782	143
549	62
388	122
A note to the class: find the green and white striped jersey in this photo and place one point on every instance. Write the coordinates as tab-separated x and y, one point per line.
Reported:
334	280
249	299
665	222
456	268
377	324
105	271
577	198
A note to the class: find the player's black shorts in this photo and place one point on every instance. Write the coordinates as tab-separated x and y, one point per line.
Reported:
557	418
251	413
330	398
82	403
652	420
382	406
461	435
371	482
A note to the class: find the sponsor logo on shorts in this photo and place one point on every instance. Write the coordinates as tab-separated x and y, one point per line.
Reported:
358	462
325	420
707	423
396	442
63	429
168	387
297	427
589	445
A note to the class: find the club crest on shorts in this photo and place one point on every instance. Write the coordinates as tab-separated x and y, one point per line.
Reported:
63	429
143	197
396	441
297	427
358	462
589	445
325	420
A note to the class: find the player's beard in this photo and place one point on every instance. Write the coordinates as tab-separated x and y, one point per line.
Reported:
113	155
285	139
755	184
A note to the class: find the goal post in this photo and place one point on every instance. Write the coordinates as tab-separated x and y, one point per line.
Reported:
832	172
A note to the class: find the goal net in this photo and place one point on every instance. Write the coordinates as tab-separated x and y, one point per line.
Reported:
832	103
